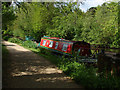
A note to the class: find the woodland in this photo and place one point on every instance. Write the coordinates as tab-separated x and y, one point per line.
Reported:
99	25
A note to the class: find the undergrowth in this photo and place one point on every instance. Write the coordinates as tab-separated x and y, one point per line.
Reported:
5	65
80	72
28	44
15	40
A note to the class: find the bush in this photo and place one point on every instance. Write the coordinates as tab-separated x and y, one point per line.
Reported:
4	50
29	44
45	51
87	76
5	37
15	40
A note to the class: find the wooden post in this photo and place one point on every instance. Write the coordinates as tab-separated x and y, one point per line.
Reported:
117	65
104	64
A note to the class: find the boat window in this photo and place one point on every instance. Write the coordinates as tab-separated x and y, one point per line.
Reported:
78	51
51	44
64	47
44	41
56	45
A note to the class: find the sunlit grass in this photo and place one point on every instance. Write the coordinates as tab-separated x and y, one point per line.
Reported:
79	72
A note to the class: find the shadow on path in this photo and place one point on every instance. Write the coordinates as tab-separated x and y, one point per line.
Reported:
28	70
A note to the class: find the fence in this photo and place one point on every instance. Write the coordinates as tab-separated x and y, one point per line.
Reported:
108	60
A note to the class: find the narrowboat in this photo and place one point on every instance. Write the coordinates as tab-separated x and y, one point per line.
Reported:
67	47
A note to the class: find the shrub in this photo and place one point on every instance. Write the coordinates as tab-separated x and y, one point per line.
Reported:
4	50
5	37
15	40
45	51
29	44
87	76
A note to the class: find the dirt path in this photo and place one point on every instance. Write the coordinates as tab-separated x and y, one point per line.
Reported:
28	70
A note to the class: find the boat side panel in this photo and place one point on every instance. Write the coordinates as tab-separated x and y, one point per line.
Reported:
60	45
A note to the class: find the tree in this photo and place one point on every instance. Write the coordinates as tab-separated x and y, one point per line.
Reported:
65	23
8	16
34	19
107	18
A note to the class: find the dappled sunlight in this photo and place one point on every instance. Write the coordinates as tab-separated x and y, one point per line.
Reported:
18	48
33	70
29	70
21	73
53	79
52	70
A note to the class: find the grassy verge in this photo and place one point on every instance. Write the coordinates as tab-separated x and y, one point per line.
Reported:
4	56
33	47
82	74
79	72
46	54
5	66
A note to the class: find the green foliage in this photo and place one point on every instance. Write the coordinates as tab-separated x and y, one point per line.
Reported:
7	33
15	40
5	63
43	51
4	50
8	16
33	19
99	25
29	44
5	37
87	75
65	23
82	73
106	17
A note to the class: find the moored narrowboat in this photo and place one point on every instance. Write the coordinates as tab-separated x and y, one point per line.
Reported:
67	47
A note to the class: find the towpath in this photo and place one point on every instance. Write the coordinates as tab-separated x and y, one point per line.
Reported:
28	70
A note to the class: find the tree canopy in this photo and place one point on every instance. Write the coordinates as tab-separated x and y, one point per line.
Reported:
99	25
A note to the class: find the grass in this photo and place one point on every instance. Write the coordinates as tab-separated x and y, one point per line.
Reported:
5	54
82	74
5	66
46	54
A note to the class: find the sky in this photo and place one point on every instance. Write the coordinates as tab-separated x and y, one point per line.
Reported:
91	3
87	3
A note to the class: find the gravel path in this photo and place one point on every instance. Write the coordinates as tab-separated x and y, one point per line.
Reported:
28	70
